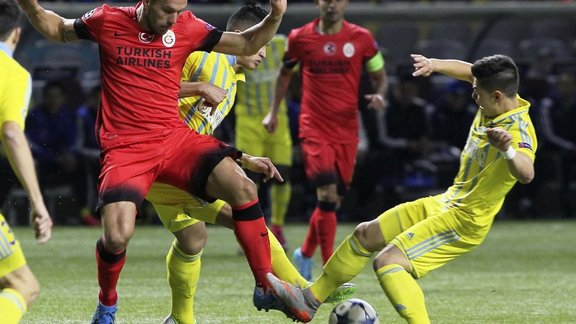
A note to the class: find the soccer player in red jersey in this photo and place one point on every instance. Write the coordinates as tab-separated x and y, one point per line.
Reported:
331	52
142	139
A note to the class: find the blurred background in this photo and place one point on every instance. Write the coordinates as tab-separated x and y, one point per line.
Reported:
397	160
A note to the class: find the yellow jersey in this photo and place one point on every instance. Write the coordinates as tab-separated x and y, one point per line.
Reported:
484	179
256	95
15	88
217	69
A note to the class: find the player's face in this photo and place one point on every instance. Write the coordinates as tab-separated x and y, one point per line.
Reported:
483	99
161	15
332	10
251	62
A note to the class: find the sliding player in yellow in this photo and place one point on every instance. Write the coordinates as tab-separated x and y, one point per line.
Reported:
209	84
417	237
252	104
18	285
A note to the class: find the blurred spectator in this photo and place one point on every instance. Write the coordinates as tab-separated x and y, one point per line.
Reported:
51	130
404	134
404	126
557	116
451	121
87	147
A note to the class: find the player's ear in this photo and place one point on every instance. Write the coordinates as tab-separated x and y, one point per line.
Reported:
497	95
16	35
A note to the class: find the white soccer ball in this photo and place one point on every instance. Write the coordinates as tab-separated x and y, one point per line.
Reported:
353	311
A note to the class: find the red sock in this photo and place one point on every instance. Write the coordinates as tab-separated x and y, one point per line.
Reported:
252	234
311	241
326	225
109	268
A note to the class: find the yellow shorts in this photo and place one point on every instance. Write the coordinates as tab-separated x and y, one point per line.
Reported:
179	209
11	255
254	139
429	234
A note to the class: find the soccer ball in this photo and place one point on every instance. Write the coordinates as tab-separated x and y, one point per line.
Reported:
353	311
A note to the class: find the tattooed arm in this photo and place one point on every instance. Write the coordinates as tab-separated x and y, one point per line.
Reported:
48	23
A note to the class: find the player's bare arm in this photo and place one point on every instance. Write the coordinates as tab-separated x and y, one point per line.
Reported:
48	23
270	121
260	165
521	165
212	94
379	81
250	41
18	153
456	69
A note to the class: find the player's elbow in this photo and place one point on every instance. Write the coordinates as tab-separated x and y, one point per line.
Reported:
525	177
11	133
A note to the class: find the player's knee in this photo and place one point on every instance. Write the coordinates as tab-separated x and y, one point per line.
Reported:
390	255
367	237
193	246
32	290
192	239
327	193
24	281
245	190
117	240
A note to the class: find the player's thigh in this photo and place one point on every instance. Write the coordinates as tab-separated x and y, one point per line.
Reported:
433	242
396	220
177	209
319	162
279	146
250	137
346	161
193	159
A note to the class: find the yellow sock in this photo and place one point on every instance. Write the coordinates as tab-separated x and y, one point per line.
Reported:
281	265
404	293
280	197
12	306
345	263
183	275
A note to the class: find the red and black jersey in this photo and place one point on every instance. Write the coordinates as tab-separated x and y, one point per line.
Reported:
141	70
331	66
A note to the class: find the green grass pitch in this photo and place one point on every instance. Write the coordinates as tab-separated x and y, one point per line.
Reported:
523	273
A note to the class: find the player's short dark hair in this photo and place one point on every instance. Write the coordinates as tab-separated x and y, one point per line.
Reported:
10	16
497	72
245	17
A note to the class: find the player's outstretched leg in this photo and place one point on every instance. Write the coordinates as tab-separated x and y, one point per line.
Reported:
300	304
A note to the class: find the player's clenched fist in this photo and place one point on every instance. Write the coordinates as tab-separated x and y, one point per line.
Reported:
499	138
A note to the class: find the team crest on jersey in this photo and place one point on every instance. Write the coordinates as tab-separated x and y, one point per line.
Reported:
145	37
348	50
88	14
169	38
329	48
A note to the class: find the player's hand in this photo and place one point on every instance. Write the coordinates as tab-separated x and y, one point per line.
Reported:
261	165
278	8
212	96
42	223
499	138
270	122
375	101
422	65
